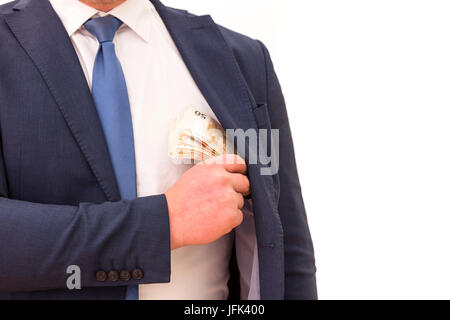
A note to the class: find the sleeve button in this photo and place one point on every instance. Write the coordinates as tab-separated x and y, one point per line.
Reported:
100	276
113	276
137	274
125	275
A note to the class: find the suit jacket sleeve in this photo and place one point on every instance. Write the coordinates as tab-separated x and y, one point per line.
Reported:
39	241
300	281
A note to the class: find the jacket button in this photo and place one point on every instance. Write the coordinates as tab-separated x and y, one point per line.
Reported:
137	274
113	276
125	275
100	276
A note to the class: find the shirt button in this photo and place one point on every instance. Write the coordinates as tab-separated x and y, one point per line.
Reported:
137	274
100	276
113	276
125	275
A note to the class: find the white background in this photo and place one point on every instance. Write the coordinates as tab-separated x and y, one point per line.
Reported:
367	87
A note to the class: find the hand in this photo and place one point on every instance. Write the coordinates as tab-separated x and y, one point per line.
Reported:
204	204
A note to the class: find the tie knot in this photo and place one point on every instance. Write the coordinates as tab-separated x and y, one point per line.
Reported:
103	28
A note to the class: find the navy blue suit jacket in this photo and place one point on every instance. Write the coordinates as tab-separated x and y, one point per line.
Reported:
59	200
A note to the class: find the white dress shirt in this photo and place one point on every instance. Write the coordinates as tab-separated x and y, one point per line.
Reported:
160	87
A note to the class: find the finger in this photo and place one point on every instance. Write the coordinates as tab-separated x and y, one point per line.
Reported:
239	218
240	183
240	200
230	162
234	164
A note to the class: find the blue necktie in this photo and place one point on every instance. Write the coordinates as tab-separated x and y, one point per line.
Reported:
110	94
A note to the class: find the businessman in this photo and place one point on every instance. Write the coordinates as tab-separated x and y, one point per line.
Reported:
87	92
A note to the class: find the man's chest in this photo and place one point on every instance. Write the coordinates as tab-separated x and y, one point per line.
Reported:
159	87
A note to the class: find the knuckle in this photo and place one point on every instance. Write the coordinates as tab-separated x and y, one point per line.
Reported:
229	198
222	178
231	217
241	201
246	183
239	218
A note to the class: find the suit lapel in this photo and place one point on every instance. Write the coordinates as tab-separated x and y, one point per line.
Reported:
44	38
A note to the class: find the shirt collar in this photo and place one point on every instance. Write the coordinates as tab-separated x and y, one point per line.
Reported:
136	14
